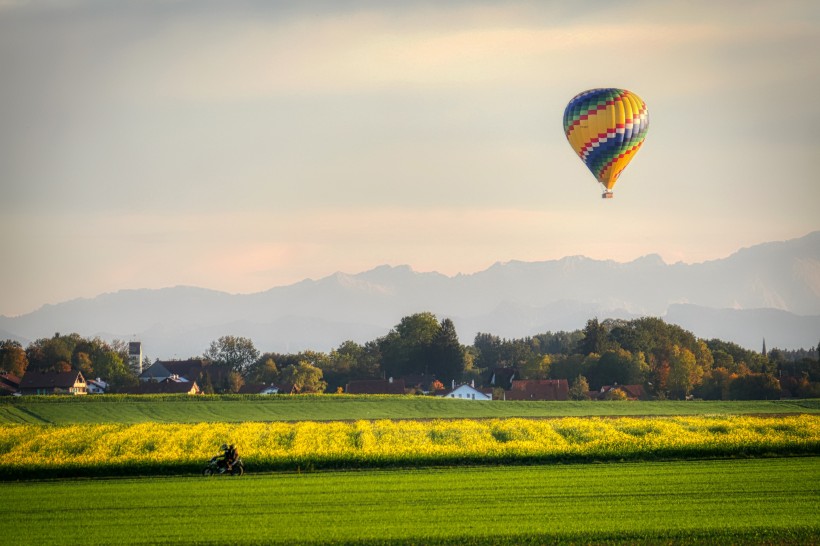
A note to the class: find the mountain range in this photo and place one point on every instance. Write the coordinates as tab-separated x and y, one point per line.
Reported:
769	291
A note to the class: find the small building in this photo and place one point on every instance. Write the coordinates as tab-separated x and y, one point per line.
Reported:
96	386
166	387
71	382
154	373
9	384
258	388
633	392
466	392
538	389
182	370
376	386
502	378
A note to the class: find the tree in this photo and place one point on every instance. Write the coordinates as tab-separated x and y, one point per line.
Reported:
445	353
264	370
715	384
537	367
52	354
684	372
618	366
304	378
13	358
406	348
755	386
579	390
232	353
595	340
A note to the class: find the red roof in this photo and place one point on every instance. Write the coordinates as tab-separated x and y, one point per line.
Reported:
538	389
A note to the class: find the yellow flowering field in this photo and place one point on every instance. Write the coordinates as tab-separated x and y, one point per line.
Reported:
150	448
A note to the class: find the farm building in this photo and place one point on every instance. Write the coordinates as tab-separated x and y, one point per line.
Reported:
161	370
71	382
96	386
9	384
538	389
258	388
502	378
466	392
168	386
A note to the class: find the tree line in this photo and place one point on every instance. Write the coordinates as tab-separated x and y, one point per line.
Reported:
668	361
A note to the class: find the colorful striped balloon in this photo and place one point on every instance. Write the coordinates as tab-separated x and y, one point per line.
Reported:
606	127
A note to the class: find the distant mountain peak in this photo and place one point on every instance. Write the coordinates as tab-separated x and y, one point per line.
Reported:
512	299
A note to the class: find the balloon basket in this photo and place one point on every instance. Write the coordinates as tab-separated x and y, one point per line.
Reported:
607	195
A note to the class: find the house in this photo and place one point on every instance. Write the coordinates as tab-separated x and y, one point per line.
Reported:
9	384
155	373
71	382
376	386
538	389
168	386
96	386
633	392
466	392
502	378
161	370
258	388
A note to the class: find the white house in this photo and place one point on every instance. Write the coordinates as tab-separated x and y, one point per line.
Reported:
96	386
467	392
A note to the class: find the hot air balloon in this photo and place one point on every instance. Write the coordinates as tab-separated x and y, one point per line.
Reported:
606	128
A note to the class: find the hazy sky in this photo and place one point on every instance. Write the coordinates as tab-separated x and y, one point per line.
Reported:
248	144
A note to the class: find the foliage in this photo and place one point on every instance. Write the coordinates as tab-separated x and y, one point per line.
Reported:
579	390
13	358
304	378
232	353
150	448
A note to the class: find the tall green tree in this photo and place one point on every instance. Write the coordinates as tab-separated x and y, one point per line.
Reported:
231	353
405	349
595	340
579	389
445	353
304	378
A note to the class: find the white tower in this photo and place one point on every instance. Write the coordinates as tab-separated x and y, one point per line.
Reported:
135	356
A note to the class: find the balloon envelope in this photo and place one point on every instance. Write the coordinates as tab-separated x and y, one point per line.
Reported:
606	127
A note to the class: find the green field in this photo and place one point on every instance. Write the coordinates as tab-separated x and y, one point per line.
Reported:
771	501
227	409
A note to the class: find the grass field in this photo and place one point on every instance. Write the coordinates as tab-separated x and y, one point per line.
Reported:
184	409
762	501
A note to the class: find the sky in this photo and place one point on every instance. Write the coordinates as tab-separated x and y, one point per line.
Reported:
249	144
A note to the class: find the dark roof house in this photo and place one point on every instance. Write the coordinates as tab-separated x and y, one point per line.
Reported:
168	386
538	389
71	382
9	384
502	377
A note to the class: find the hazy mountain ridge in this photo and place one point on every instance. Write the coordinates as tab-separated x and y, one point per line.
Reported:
730	298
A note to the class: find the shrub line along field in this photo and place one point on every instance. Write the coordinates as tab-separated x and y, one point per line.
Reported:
760	501
208	409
